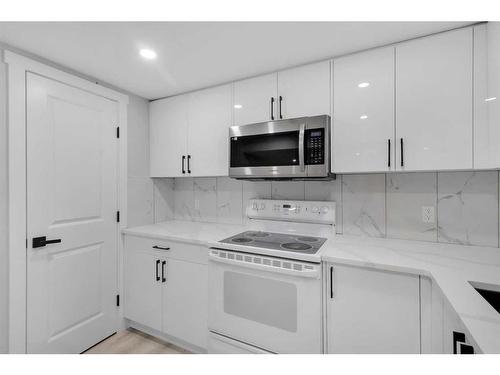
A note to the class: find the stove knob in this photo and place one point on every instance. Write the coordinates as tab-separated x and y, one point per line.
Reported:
315	209
262	206
324	210
255	206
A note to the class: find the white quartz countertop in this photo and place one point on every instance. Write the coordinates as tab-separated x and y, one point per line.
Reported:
450	266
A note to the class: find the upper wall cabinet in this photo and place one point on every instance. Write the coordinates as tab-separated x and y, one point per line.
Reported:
189	134
302	91
363	112
168	129
487	95
434	102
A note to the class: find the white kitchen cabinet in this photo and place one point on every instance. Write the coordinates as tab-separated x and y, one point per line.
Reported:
304	91
434	102
142	292
168	130
297	92
185	301
254	100
189	134
371	311
165	288
208	135
431	317
363	112
487	95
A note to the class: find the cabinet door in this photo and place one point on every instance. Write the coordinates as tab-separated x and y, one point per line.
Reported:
363	112
168	119
304	91
142	297
487	95
209	122
434	102
185	302
254	100
431	317
372	311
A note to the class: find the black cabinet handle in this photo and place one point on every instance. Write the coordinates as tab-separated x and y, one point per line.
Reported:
331	282
281	99
42	241
402	153
163	279
458	337
157	270
161	247
183	160
272	108
389	153
189	164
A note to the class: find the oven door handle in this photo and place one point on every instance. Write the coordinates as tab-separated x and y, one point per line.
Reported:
302	130
315	272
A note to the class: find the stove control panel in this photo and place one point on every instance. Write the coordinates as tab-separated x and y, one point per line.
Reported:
299	211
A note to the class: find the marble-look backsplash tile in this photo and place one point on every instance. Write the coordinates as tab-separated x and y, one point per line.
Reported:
163	196
468	208
363	204
380	205
407	193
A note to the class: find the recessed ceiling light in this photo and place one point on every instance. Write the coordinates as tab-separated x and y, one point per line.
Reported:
490	99
362	85
148	53
363	117
238	106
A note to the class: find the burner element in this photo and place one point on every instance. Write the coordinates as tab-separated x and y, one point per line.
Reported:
241	240
257	234
296	246
307	239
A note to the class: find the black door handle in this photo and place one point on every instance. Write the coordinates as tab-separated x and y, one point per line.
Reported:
189	164
272	108
157	270
163	279
183	160
42	241
281	99
389	153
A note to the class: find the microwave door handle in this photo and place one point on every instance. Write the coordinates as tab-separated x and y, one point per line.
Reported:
302	131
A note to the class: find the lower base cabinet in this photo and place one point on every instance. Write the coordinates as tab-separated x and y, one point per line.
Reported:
165	288
371	311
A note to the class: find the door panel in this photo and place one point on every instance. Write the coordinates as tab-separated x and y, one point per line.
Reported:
305	91
209	122
372	311
72	196
252	100
142	299
434	102
363	120
185	304
168	135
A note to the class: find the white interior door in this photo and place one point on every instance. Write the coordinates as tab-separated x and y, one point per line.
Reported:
72	196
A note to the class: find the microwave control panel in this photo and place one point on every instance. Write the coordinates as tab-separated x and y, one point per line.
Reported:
315	146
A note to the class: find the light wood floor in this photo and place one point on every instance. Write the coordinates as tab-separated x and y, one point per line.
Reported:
132	341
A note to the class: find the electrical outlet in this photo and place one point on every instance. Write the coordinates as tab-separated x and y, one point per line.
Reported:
428	215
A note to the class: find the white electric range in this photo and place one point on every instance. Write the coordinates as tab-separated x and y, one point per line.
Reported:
265	283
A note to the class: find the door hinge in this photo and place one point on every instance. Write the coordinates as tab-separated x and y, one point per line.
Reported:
117	300
117	132
117	216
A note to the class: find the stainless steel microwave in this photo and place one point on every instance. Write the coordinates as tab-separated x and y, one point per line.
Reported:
286	149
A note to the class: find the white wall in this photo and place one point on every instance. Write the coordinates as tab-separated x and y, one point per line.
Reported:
3	210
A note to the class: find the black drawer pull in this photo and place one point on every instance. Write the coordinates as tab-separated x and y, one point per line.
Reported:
161	247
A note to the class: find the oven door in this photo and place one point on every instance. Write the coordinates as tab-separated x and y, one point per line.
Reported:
270	303
268	150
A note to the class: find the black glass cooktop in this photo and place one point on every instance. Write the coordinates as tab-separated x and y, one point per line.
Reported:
277	241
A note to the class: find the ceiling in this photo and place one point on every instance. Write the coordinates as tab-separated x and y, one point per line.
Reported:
192	55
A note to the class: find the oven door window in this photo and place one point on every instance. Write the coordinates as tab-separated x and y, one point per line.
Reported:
265	150
262	300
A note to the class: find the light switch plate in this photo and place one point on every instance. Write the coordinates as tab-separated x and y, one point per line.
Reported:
428	215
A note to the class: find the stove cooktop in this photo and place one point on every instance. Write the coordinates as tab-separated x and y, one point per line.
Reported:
277	241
